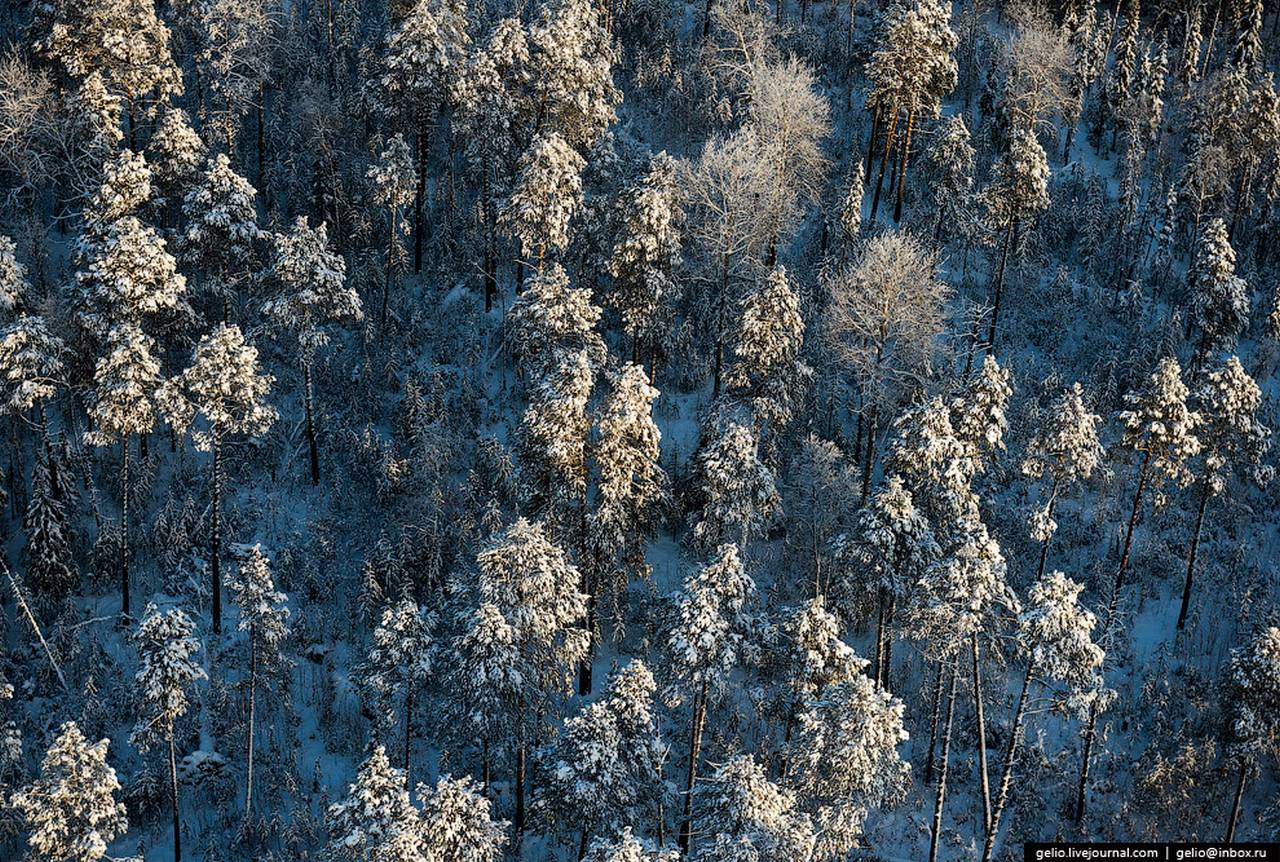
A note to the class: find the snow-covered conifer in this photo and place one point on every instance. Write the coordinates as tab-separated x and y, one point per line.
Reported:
846	760
1056	637
394	181
711	633
1065	450
1232	438
627	848
1220	301
602	773
225	387
950	158
546	194
51	569
1253	687
222	226
766	367
737	495
398	666
71	810
122	405
535	589
486	678
750	817
314	294
376	821
31	364
851	209
1019	189
632	489
175	153
646	254
265	620
457	823
978	414
167	647
571	57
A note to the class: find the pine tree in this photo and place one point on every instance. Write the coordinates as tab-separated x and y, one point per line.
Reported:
710	634
457	823
313	295
1160	426
602	773
1019	190
1123	65
535	589
888	551
226	389
851	209
235	56
122	405
1220	300
766	367
546	194
222	226
1055	634
632	488
950	170
393	185
1231	438
398	666
571	55
51	569
486	679
1252	687
166	649
751	817
376	822
175	153
14	287
1065	450
31	367
627	848
978	414
909	74
847	761
646	255
71	810
265	620
737	496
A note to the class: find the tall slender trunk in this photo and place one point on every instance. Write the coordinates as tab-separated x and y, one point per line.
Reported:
1044	546
695	747
998	289
706	20
311	423
1191	553
1090	734
520	746
1010	756
868	464
173	798
940	797
124	527
253	685
216	532
262	134
724	293
871	143
902	166
1128	533
1236	803
933	724
982	734
890	129
877	664
386	281
408	732
419	199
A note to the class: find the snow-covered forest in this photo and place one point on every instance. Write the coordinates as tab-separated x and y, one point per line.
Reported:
637	430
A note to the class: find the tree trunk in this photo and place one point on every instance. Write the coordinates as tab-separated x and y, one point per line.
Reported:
1044	546
1128	535
890	129
253	684
215	532
982	735
1090	733
419	200
695	746
311	423
408	732
877	663
124	527
706	20
1010	756
724	292
386	281
519	822
942	769
173	798
902	166
999	285
1236	803
871	143
868	464
933	725
1191	554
